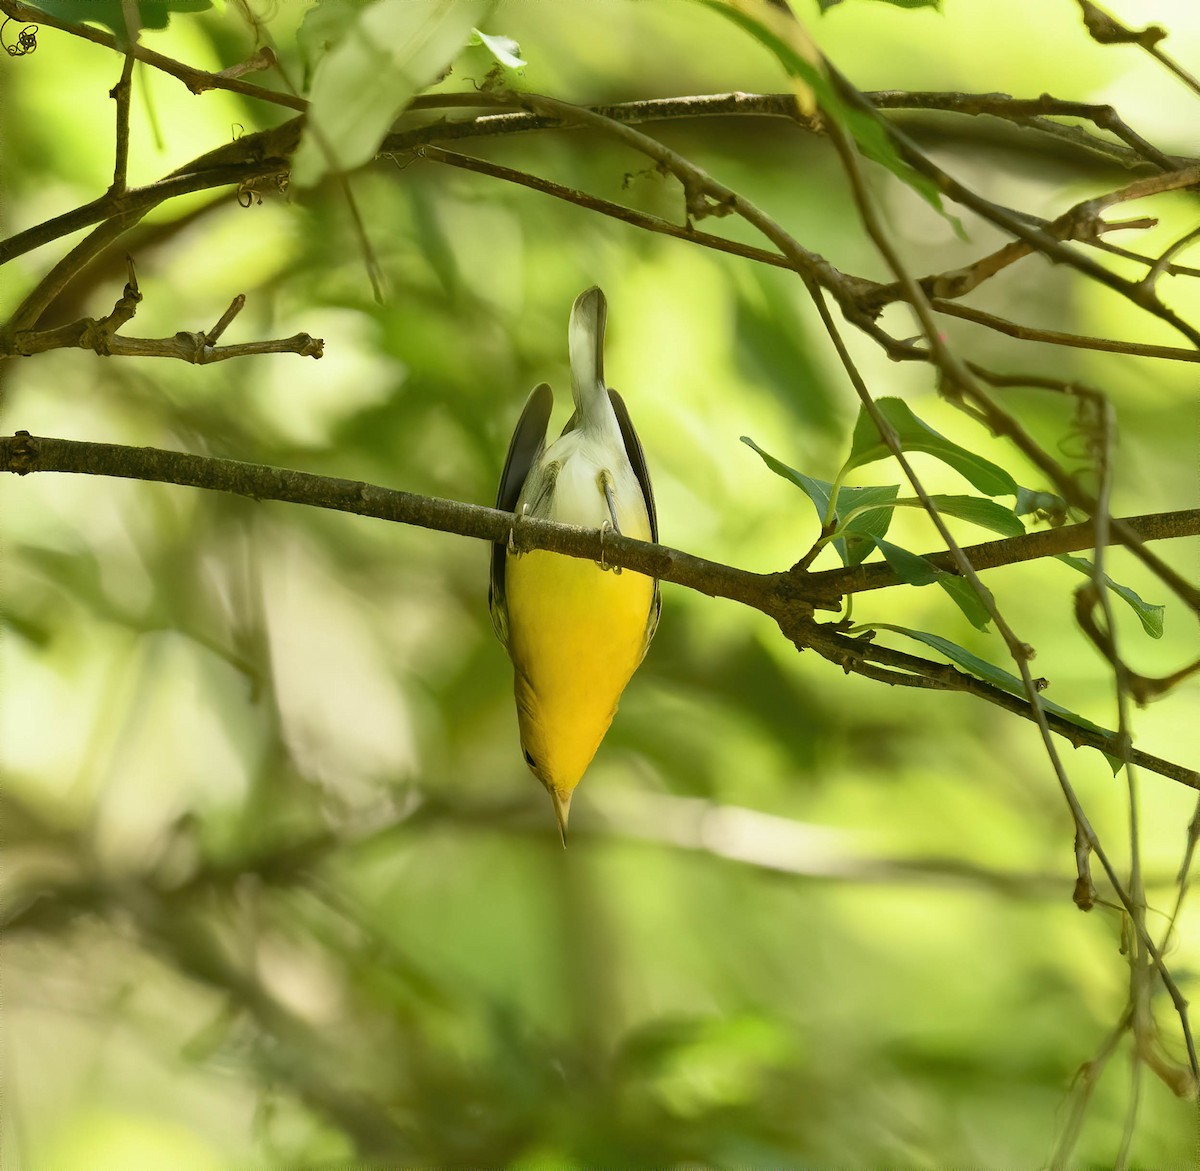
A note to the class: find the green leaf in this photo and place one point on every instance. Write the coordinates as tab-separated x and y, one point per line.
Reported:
998	677
1043	503
859	535
504	49
867	129
917	571
962	593
1150	615
908	567
914	435
980	511
818	491
388	53
324	25
857	539
150	13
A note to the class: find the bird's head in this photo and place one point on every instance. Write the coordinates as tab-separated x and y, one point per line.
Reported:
558	778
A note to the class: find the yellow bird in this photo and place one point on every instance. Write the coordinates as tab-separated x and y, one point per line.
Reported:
575	631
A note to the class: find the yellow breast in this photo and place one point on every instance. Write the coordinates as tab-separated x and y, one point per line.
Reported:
576	635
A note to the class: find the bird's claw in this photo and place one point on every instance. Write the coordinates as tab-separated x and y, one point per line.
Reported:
607	526
511	544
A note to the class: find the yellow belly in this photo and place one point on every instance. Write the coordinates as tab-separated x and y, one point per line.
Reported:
576	635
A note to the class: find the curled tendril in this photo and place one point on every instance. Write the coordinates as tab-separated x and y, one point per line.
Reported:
26	39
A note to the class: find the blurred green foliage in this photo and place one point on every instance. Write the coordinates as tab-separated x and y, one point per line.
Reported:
280	890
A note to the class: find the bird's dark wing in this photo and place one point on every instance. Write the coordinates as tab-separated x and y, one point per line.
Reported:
637	458
633	449
527	442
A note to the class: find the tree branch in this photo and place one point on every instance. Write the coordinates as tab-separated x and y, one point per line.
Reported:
1032	114
24	453
788	598
1023	229
638	219
1027	333
102	337
877	575
197	80
120	93
856	653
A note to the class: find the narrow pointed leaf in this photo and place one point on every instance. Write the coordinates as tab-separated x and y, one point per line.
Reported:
983	512
789	41
908	567
818	491
916	570
998	677
860	534
962	593
914	435
857	540
1150	615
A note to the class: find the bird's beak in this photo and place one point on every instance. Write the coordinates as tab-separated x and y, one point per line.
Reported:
562	811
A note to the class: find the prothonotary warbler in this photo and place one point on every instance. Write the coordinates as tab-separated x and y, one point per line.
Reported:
575	630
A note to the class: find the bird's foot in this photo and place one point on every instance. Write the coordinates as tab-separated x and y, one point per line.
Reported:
607	526
512	543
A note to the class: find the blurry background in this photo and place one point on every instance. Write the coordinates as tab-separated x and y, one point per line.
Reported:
281	889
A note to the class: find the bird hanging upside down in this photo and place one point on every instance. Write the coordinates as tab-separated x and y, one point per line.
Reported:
575	630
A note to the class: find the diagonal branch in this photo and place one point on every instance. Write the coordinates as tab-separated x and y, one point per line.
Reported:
197	80
1029	333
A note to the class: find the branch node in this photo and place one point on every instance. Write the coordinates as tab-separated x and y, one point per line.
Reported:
700	204
1105	30
24	454
264	59
1084	895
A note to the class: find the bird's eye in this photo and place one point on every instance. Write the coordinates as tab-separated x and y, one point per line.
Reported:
529	759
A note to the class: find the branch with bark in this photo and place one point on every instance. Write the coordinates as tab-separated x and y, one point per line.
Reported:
102	336
788	597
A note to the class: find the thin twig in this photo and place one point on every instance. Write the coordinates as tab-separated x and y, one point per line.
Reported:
1028	333
1163	263
197	80
195	348
1033	114
1080	222
857	654
1085	1082
198	348
1002	423
120	93
639	219
1106	30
